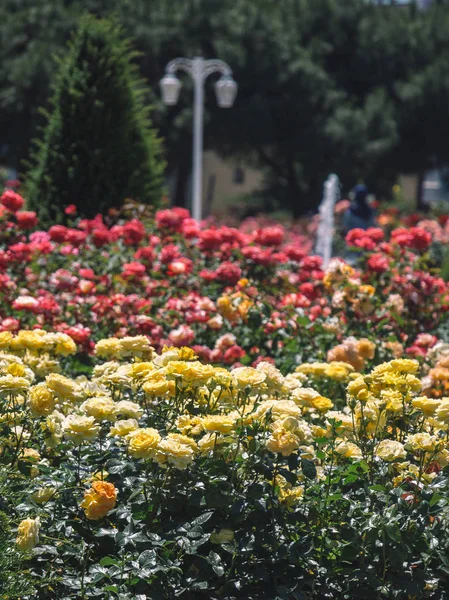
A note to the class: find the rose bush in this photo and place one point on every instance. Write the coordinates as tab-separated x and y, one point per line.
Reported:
200	411
160	476
235	295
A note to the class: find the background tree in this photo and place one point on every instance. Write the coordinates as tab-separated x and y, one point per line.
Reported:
357	88
98	147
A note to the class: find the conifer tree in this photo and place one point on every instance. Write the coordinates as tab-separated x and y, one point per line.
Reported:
98	147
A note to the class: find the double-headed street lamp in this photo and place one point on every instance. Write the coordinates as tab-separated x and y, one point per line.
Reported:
225	88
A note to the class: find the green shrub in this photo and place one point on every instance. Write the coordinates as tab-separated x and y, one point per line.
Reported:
98	147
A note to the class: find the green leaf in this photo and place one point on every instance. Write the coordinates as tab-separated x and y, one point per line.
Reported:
308	468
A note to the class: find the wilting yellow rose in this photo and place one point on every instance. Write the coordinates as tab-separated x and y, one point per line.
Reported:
43	494
124	427
218	423
283	441
100	407
224	536
79	428
28	533
177	450
30	455
247	376
41	400
143	443
99	500
391	450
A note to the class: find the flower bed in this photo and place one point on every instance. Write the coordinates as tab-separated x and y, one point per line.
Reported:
204	412
232	294
161	476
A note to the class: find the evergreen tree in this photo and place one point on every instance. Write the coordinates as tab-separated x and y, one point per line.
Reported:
98	147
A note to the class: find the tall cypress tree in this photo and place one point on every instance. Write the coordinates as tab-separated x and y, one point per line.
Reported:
98	147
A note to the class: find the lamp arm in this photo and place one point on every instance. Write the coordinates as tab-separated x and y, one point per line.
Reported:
180	64
216	66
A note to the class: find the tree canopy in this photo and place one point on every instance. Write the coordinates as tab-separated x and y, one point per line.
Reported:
355	88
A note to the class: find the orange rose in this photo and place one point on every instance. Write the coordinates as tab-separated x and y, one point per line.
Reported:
99	500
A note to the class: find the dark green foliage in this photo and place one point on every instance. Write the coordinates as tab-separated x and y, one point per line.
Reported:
98	147
15	580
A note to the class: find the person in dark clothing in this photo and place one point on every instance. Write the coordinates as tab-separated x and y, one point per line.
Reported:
360	214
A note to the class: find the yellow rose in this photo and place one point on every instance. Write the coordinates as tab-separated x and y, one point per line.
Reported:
30	455
43	494
64	344
356	386
156	384
136	346
390	450
6	338
247	376
442	412
317	369
348	450
127	408
177	450
109	348
28	533
322	404
218	423
405	365
188	424
209	441
63	387
274	379
192	372
139	370
122	428
99	500
224	536
421	441
426	405
79	428
101	407
283	441
143	443
41	400
13	385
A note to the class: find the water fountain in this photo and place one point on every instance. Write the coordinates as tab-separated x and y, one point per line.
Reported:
325	231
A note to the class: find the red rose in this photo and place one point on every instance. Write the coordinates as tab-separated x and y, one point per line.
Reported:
70	210
12	201
26	219
228	272
133	269
378	263
58	233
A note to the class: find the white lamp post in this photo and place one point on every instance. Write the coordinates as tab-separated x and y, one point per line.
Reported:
225	88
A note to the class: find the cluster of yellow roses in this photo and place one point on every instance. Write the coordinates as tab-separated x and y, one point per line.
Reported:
170	409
